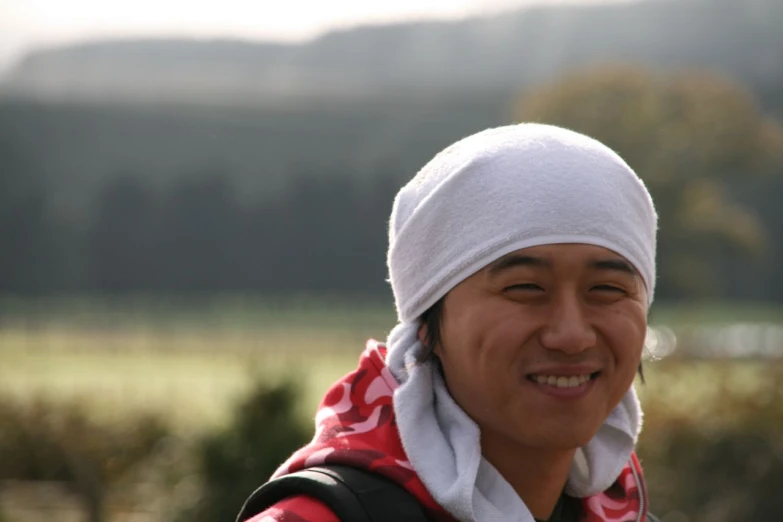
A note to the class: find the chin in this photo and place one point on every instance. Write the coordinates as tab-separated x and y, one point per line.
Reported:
565	439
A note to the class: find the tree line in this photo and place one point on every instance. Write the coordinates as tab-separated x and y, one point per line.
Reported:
712	160
194	238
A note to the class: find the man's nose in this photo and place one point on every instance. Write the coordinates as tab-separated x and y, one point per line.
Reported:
568	329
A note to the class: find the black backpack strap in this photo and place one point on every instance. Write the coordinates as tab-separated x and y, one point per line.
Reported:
353	494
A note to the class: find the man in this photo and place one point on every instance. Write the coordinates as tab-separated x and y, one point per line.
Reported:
522	261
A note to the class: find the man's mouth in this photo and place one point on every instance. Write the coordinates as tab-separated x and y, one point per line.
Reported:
562	381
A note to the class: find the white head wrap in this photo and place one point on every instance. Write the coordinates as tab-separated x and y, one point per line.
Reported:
484	197
509	188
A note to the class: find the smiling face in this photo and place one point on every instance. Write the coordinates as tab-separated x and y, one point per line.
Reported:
540	346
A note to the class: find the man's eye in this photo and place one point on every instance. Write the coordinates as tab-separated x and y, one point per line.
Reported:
524	286
609	288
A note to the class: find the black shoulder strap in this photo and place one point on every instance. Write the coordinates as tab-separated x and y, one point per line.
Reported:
354	495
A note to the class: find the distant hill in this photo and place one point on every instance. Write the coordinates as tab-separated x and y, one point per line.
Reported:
504	52
375	101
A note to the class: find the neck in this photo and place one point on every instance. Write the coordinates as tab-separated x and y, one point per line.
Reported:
538	476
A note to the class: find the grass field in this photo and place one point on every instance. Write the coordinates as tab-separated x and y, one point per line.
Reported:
188	362
191	377
193	363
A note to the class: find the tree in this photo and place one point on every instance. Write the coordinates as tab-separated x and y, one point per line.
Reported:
200	235
265	429
58	441
27	238
691	137
121	254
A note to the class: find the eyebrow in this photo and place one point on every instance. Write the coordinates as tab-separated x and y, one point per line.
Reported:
614	265
514	261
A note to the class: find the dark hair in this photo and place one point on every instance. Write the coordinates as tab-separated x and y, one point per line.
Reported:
431	319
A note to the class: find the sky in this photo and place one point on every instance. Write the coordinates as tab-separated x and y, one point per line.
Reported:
27	24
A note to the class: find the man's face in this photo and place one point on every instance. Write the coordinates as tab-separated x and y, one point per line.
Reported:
540	346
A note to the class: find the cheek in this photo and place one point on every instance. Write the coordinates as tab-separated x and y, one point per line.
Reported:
477	341
626	335
481	351
493	328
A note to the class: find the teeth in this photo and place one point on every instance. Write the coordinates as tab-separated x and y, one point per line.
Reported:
562	381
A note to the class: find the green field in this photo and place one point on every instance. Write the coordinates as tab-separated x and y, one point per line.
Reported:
188	362
192	363
191	376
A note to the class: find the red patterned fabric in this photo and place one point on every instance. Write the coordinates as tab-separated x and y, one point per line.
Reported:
297	509
355	426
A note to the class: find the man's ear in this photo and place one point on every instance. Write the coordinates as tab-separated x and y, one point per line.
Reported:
423	334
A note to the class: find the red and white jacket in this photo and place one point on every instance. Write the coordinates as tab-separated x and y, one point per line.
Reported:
355	426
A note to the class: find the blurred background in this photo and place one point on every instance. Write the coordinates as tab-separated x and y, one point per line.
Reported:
193	206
